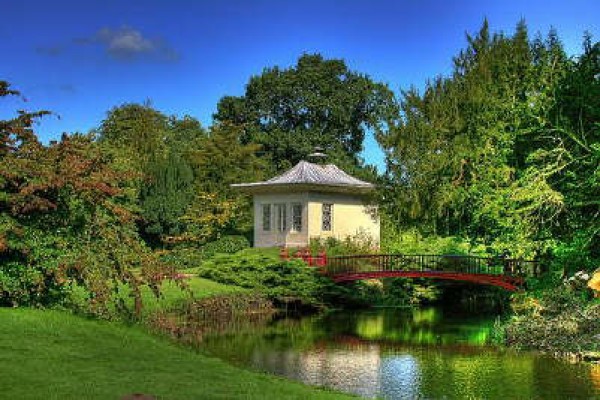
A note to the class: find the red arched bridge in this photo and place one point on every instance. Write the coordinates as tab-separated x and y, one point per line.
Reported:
502	272
496	271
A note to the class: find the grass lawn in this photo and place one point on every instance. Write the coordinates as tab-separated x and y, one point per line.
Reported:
172	295
55	355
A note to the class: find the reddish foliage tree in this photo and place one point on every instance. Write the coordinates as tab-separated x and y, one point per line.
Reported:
67	219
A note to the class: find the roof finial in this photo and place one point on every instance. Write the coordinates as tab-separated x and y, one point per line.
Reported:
318	156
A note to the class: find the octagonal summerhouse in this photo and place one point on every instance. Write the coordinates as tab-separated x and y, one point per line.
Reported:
311	201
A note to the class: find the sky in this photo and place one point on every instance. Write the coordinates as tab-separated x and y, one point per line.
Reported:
81	58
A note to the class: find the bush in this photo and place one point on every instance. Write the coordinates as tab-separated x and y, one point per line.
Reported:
557	320
357	244
192	257
275	278
225	245
183	257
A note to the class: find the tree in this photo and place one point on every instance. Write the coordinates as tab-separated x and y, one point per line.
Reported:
318	102
568	160
138	130
66	219
16	132
461	160
219	161
166	195
169	185
159	148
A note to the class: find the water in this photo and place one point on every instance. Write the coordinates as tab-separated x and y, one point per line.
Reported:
398	354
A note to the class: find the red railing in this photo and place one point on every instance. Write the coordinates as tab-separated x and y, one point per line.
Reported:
432	262
320	260
505	272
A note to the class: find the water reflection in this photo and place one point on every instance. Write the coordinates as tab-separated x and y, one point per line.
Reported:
421	326
429	353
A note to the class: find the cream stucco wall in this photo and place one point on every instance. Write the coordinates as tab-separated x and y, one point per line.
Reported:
351	217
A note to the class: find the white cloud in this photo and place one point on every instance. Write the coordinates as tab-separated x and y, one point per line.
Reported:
126	43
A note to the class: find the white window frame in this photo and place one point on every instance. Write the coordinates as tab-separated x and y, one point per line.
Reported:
297	218
329	208
266	217
281	216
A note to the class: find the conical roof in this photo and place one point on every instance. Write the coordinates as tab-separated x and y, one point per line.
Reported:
305	174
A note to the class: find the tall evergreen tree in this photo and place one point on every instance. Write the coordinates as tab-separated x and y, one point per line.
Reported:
462	159
160	148
168	192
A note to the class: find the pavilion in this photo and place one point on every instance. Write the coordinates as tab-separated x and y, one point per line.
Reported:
312	201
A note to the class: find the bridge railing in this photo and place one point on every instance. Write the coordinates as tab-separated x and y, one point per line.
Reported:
337	265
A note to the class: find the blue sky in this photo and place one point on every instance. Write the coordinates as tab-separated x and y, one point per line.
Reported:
80	58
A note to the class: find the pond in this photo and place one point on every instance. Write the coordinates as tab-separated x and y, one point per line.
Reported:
428	353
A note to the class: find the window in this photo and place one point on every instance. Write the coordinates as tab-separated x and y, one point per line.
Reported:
281	216
266	217
297	217
327	217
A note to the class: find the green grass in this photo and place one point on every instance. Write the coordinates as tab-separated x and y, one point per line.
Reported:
55	355
172	295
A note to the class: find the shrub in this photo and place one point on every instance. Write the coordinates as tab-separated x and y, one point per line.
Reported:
225	245
357	244
192	257
559	319
275	278
183	257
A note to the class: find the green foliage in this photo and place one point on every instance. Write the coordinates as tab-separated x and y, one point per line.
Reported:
556	320
158	148
219	161
394	292
357	244
504	150
225	245
268	252
182	257
167	195
185	173
66	220
574	255
222	159
318	102
277	279
137	131
412	241
186	257
572	154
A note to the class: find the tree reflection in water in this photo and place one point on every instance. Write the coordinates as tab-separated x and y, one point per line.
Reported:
425	353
